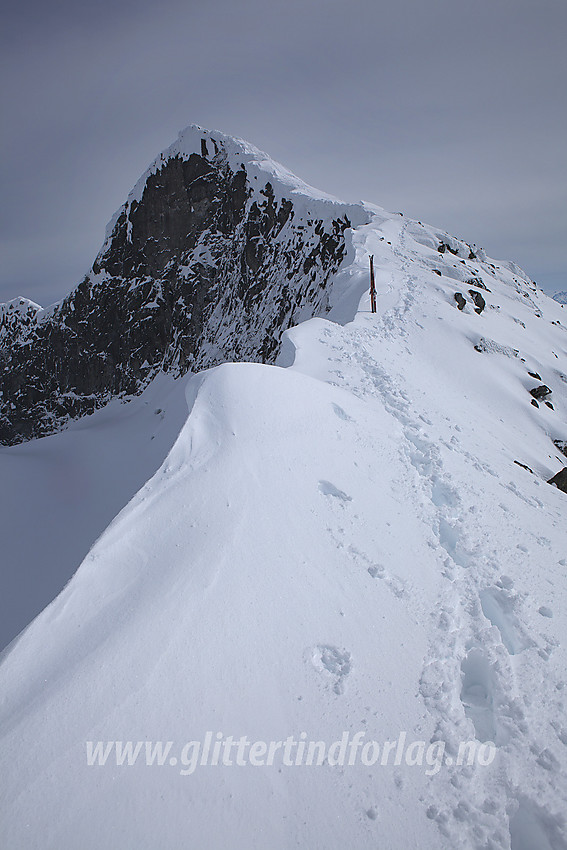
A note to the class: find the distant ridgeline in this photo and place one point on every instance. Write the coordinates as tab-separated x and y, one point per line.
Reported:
216	252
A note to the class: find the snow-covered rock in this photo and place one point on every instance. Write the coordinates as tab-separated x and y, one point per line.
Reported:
215	253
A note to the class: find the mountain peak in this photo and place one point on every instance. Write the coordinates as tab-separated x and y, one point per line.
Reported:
238	154
216	251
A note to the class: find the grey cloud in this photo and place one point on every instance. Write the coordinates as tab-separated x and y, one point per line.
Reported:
450	111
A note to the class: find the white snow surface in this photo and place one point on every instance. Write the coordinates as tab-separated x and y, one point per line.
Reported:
58	494
342	542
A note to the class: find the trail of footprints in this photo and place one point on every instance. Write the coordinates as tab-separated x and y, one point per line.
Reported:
485	631
375	569
470	662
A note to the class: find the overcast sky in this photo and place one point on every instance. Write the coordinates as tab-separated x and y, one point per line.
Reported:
451	111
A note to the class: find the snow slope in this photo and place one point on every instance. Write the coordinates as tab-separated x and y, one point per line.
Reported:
58	494
345	542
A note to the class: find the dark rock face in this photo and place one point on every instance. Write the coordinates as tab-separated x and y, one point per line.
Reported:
523	465
204	268
461	303
540	392
445	247
479	301
476	281
560	480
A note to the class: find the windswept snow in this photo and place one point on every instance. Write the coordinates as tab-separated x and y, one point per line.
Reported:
58	494
361	542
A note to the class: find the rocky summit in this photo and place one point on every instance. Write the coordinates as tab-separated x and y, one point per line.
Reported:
216	252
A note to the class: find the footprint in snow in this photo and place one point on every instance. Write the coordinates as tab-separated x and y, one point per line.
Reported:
396	585
477	694
533	826
338	411
334	663
560	731
328	489
498	606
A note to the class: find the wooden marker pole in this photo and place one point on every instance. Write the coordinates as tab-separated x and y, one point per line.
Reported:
372	285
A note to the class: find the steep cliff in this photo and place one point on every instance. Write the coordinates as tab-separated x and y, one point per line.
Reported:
217	251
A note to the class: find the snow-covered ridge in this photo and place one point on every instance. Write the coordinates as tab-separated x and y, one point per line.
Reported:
364	541
20	305
18	318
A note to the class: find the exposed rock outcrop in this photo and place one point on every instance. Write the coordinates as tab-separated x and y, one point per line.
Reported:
540	392
213	256
560	480
479	302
